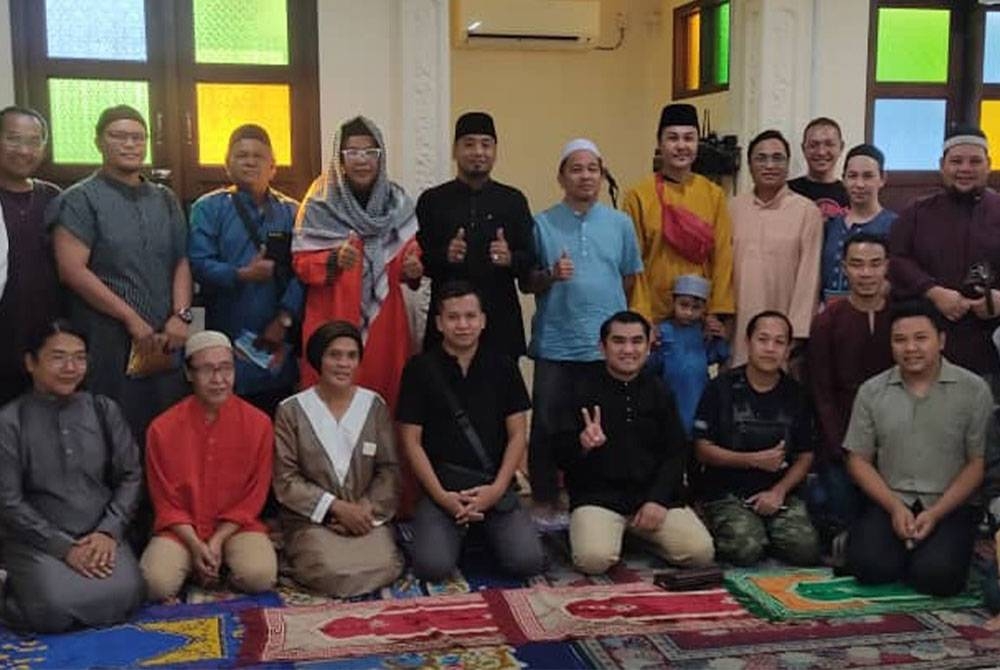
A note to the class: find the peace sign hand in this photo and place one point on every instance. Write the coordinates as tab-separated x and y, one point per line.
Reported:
592	436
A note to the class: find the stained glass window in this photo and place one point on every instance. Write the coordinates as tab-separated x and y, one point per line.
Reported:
96	29
75	105
722	45
702	39
223	107
991	51
693	78
910	132
247	32
989	122
912	45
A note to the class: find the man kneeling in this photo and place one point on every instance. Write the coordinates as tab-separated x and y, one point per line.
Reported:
625	458
915	443
208	462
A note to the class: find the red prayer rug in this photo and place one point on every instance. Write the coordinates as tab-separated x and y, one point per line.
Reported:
546	614
364	628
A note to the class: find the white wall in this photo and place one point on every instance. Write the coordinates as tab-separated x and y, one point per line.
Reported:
6	57
840	64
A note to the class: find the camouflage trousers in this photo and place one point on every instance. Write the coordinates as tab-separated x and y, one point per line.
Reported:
742	536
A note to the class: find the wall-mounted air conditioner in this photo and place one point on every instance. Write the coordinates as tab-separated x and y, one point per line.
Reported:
527	24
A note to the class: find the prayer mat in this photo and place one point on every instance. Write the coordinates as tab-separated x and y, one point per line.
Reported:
367	628
810	593
932	640
542	614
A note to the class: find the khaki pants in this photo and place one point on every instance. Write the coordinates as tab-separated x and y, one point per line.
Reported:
595	538
166	564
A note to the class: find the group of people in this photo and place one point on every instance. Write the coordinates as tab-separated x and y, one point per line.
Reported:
359	363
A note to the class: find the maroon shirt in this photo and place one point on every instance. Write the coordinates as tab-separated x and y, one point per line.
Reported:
843	353
33	294
934	242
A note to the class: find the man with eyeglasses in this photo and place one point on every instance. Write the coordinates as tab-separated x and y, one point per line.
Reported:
121	247
240	250
479	230
822	144
208	466
777	237
32	295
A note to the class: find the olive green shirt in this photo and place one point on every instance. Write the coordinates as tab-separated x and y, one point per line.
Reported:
919	445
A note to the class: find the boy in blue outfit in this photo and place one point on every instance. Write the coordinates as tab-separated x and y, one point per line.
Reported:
686	352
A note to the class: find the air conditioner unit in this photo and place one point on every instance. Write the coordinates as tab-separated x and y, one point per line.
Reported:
527	24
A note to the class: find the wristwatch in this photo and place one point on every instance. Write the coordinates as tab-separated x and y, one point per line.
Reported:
185	315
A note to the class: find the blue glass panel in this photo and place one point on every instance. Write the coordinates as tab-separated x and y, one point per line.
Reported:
96	29
991	55
910	132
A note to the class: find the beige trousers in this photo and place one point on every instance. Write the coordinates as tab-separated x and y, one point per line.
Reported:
166	564
596	533
342	565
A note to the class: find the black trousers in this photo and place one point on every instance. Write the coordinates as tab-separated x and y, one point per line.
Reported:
939	565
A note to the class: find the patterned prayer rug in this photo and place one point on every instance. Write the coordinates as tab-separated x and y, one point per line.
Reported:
793	593
539	614
933	640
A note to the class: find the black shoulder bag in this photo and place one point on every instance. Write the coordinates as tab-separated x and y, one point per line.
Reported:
455	477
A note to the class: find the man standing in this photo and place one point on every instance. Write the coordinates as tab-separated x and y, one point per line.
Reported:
464	443
32	296
849	343
120	244
240	250
753	435
625	458
682	225
916	442
593	258
208	465
822	145
477	229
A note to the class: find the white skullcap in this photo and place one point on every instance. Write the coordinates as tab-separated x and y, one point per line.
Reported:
205	340
579	144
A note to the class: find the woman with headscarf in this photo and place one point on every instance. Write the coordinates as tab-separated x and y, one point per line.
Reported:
355	243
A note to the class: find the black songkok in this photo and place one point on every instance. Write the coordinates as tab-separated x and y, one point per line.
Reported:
679	114
117	113
475	123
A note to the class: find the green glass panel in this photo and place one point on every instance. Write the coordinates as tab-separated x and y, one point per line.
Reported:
722	45
75	105
245	32
912	45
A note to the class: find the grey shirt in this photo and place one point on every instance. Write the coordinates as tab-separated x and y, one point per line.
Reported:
68	467
919	445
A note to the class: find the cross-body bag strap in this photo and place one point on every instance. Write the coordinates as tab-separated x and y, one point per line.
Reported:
252	230
462	418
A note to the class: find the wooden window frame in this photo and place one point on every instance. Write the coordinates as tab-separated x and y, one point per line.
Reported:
706	61
172	73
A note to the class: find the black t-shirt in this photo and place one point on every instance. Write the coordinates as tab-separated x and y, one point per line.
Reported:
491	390
734	416
831	198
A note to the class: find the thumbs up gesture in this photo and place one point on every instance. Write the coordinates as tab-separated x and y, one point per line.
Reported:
457	247
563	269
592	436
499	250
347	253
413	268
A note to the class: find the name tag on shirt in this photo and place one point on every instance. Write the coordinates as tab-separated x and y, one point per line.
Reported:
368	449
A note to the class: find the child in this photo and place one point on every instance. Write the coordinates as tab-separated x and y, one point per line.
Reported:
685	352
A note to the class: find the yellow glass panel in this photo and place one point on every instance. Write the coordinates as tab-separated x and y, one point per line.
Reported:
989	121
693	77
224	107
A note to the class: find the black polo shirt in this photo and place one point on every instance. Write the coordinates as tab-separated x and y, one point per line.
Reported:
491	390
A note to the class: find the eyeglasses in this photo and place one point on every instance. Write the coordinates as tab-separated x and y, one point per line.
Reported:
123	137
359	155
209	371
61	360
772	159
23	142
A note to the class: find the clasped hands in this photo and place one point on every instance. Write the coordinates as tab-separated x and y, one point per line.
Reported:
93	555
912	528
471	505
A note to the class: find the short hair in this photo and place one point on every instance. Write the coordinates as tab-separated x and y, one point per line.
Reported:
458	288
768	314
327	333
915	308
869	150
119	113
26	111
249	131
822	121
866	238
626	316
37	338
769	134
